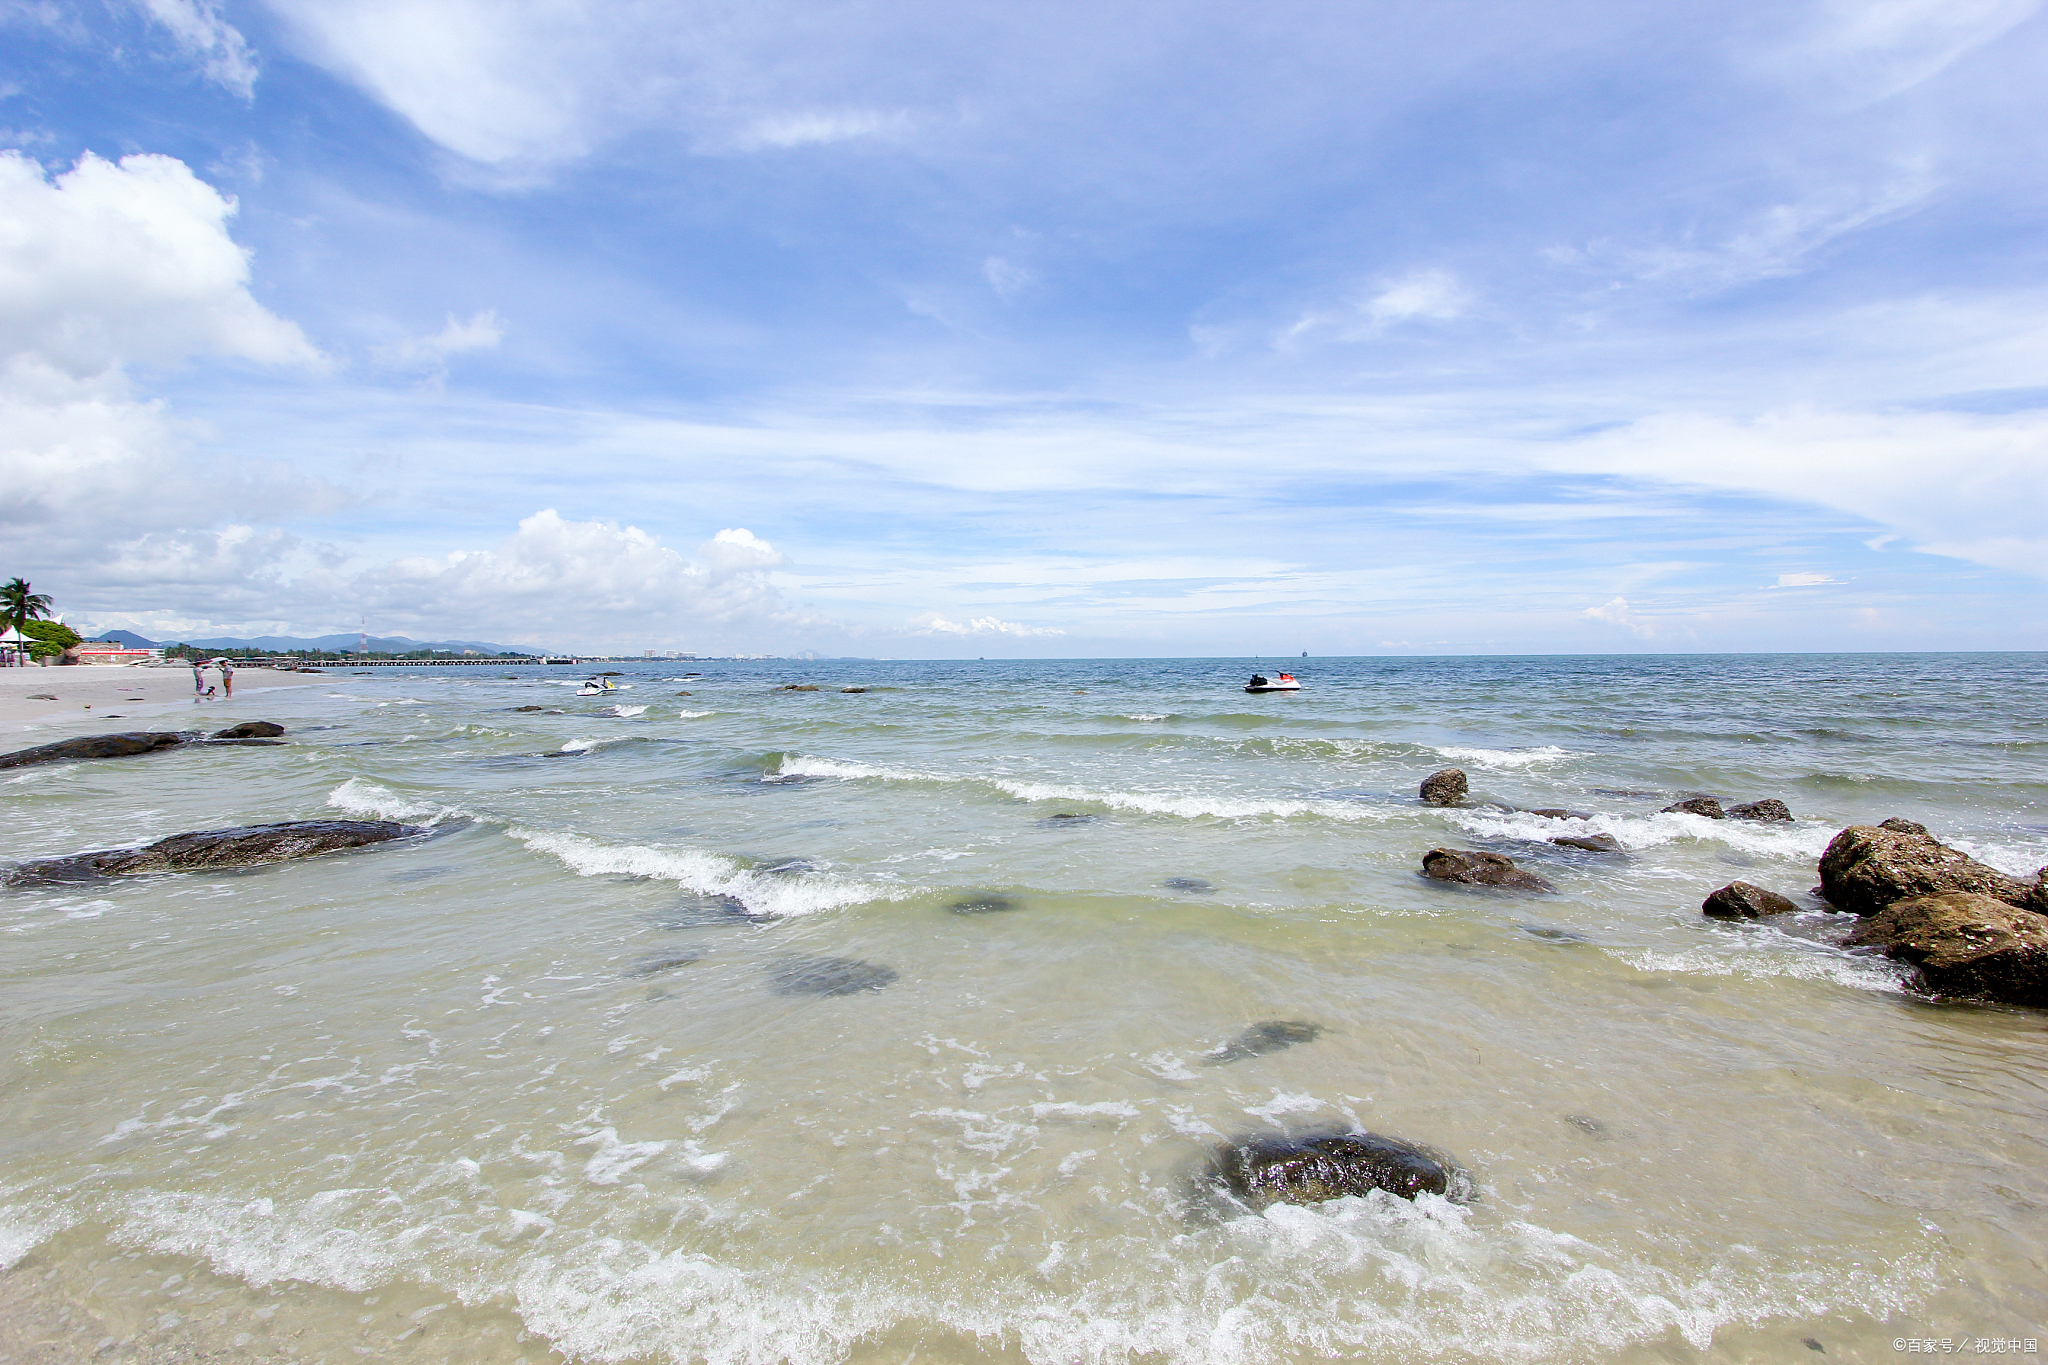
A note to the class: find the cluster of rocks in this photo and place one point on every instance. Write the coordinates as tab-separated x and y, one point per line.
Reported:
1971	931
801	687
129	743
1767	811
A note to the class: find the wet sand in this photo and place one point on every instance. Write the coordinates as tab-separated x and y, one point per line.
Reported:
89	693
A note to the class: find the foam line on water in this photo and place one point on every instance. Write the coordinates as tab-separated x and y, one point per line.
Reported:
1503	759
1801	841
359	796
709	874
1185	805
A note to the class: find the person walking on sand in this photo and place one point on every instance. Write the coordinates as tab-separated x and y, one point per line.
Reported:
198	680
227	679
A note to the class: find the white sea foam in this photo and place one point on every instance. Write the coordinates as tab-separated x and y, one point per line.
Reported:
1188	805
1144	716
694	715
1505	759
627	712
1800	841
359	796
22	1230
708	874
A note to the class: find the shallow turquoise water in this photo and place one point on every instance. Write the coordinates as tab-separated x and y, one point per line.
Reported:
529	1087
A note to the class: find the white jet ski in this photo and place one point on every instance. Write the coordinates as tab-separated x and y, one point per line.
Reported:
598	686
1284	683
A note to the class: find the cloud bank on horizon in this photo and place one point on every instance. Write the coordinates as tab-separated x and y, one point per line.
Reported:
914	328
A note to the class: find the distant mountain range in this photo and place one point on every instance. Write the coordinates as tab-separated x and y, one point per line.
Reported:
285	644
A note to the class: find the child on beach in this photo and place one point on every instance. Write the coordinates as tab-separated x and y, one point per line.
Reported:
198	680
227	679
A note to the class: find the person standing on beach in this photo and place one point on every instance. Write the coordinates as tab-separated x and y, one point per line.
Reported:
198	680
227	679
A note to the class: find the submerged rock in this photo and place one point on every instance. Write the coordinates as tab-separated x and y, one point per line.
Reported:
853	689
1066	820
1560	813
985	904
1553	935
98	746
1697	805
1261	1171
799	687
1198	885
1591	843
830	976
1868	867
1741	900
1268	1035
1966	945
246	846
656	963
526	708
1445	788
1769	811
251	729
1479	869
698	911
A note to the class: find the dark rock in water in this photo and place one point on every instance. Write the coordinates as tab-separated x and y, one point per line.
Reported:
696	912
251	729
1966	945
246	846
1591	843
853	689
1560	813
98	746
680	694
1769	811
527	708
1550	935
1198	885
1813	1344
1445	788
1479	869
1262	1171
1899	826
42	696
656	963
830	976
1268	1035
1866	868
238	744
1741	900
799	687
984	905
1697	805
1586	1124
1067	821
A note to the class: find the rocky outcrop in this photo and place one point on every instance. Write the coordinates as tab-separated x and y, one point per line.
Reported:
246	846
1262	1171
1268	1035
1904	826
1966	945
251	729
1768	811
1446	788
1697	805
1868	867
97	746
1479	869
1591	843
853	690
1741	900
799	687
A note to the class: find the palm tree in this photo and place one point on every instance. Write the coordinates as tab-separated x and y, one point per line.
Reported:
19	606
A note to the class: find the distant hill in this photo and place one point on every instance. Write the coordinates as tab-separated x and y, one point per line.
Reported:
127	639
380	644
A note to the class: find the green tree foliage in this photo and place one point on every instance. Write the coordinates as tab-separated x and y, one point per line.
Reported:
51	638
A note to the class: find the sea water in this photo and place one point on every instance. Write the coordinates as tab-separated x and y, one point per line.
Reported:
714	1021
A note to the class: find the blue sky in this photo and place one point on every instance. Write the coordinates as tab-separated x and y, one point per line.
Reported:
1110	328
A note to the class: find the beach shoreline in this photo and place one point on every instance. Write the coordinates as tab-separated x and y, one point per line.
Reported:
87	694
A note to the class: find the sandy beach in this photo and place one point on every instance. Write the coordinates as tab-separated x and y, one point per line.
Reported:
66	701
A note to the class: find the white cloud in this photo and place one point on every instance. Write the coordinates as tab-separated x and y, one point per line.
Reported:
1618	613
1420	296
197	26
1006	277
931	623
481	332
107	265
809	129
114	263
1803	580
